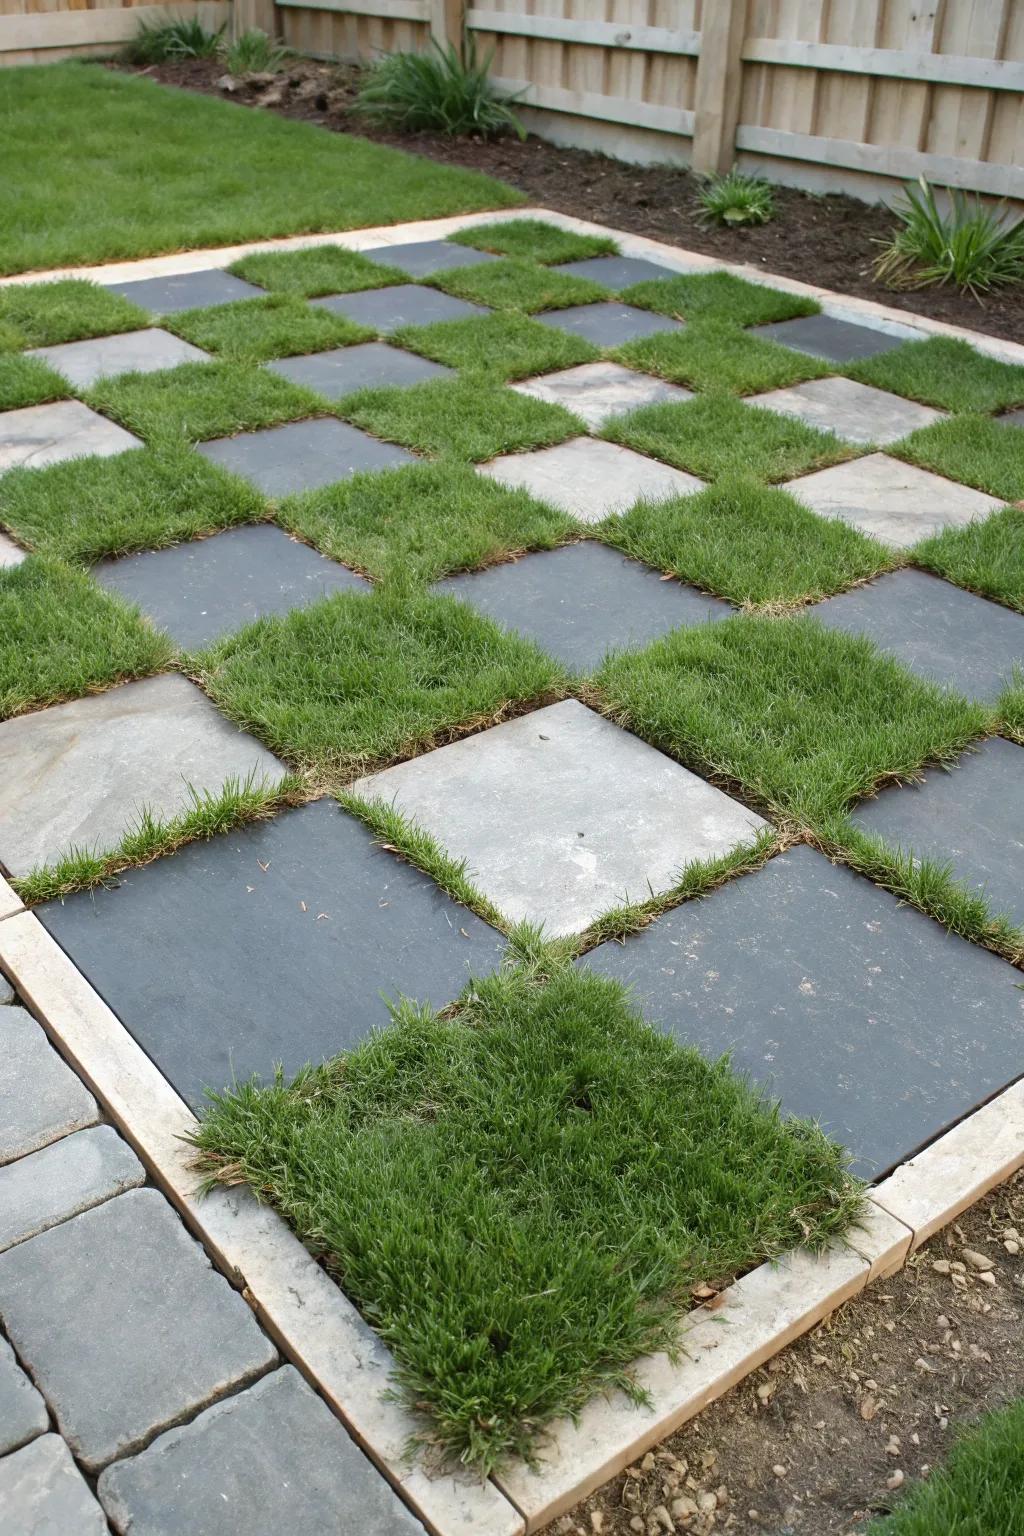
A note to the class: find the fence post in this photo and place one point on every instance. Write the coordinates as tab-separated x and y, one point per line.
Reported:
249	14
717	95
447	23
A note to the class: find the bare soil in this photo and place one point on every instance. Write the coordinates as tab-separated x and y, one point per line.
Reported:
830	241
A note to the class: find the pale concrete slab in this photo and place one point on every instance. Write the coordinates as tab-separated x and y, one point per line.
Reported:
608	324
271	1459
10	554
591	479
41	1099
597	391
63	1179
894	502
172	292
23	1413
125	1325
616	272
562	816
856	412
371	365
303	455
76	775
42	1493
825	336
82	363
48	434
386	310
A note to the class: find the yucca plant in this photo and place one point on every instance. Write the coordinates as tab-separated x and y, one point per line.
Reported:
735	199
972	246
255	53
181	39
440	89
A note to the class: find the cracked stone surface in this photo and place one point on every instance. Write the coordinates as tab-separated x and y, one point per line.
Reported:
371	365
616	272
891	501
536	808
82	363
185	290
69	1176
938	630
302	455
10	553
23	1413
589	478
856	412
200	591
837	341
387	309
41	1099
42	1493
422	258
597	391
77	774
607	324
67	429
584	600
849	1006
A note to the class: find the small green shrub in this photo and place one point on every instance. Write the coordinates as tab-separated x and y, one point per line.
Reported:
182	39
735	199
255	52
971	246
440	90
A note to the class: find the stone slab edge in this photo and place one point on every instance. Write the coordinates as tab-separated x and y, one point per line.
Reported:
883	317
305	1313
10	901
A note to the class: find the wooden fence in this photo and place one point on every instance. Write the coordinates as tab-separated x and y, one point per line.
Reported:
41	31
857	95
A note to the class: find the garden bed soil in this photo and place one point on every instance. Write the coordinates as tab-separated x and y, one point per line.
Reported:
830	241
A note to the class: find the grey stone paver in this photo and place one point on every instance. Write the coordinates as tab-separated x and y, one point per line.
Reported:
124	1325
934	628
584	600
422	258
561	816
273	943
10	554
76	775
23	1413
371	365
387	309
589	478
608	324
185	290
60	1180
147	351
271	1459
41	1099
302	455
47	434
597	391
837	341
971	816
856	412
891	501
200	591
1012	418
42	1493
616	272
852	1007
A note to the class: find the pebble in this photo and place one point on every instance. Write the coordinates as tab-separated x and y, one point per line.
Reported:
779	1469
987	1277
596	1521
707	1503
636	1524
895	1481
648	1463
976	1260
941	1266
661	1518
942	1321
684	1508
1011	1245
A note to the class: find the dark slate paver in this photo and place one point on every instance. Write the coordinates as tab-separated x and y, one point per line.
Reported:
372	365
40	1097
302	455
185	290
938	630
387	309
221	967
837	341
616	272
608	324
971	816
853	1009
272	1459
60	1180
23	1413
42	1493
422	258
584	600
212	587
124	1324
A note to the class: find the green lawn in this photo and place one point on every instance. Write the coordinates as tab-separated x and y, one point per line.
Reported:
101	166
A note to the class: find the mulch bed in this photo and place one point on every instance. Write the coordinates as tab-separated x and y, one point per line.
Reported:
827	240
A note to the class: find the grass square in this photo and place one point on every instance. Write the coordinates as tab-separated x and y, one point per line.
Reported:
28	381
518	285
499	1144
748	543
985	557
504	346
718	296
945	372
535	239
712	354
806	719
462	417
201	400
314	272
416	524
86	509
69	309
254	330
358	681
716	435
62	637
976	450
